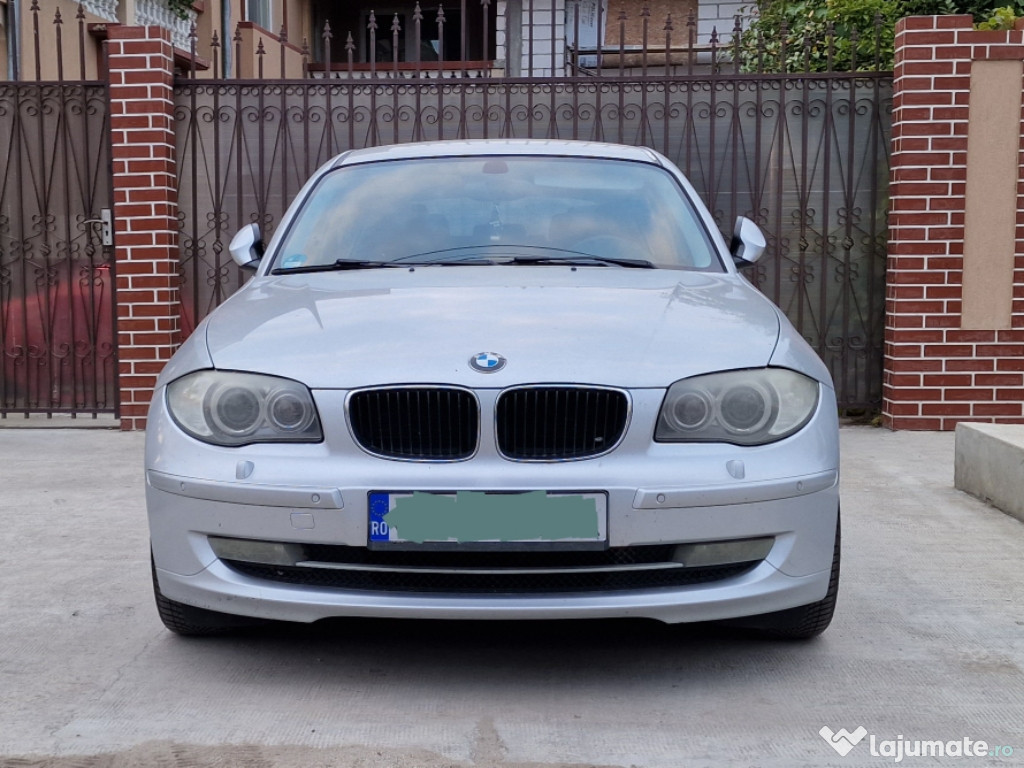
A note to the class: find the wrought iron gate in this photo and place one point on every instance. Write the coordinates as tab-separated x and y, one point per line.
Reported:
57	351
805	155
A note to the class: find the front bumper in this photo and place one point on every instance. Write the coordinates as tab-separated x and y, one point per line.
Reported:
657	494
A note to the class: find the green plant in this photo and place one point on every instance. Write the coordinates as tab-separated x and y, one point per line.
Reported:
930	7
1001	19
982	10
179	8
840	35
808	36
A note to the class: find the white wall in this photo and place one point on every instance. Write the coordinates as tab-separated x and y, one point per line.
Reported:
720	15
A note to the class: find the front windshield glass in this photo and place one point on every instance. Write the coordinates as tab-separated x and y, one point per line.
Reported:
483	210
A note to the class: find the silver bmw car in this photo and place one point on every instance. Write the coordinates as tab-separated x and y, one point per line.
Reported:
495	380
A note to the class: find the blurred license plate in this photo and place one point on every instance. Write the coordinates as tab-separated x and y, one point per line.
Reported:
477	519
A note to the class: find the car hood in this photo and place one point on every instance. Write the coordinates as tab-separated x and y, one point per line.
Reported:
628	328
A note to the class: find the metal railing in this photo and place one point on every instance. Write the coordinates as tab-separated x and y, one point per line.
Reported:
804	154
57	351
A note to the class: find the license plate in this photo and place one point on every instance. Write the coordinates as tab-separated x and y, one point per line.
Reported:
482	520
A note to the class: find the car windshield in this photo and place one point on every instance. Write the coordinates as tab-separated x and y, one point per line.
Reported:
497	210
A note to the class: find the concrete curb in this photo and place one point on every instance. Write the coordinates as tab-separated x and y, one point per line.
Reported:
989	464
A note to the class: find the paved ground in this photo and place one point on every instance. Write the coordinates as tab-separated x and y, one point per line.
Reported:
928	644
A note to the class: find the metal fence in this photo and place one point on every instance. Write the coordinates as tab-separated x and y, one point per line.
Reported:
57	351
804	154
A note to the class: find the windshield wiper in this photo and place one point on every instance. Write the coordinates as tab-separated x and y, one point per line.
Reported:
464	262
583	260
435	258
446	257
336	266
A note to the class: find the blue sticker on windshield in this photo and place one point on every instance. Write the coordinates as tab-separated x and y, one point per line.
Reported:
295	260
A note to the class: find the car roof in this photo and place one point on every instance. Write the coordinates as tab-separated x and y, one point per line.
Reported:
486	147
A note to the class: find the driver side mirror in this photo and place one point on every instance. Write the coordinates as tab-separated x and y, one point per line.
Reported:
748	242
246	247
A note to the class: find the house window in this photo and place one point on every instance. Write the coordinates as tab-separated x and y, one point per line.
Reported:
258	12
354	18
384	42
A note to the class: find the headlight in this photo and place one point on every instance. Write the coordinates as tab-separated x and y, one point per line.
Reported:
228	408
749	407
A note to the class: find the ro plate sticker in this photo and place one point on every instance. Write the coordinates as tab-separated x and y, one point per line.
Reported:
473	517
379	506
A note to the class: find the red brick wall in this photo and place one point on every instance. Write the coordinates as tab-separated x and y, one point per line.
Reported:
145	211
937	374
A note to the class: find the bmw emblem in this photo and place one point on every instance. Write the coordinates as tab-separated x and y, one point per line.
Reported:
487	362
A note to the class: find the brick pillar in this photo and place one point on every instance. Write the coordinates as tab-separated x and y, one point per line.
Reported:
954	345
145	210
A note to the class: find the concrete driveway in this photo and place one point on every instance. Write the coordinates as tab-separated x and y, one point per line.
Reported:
927	645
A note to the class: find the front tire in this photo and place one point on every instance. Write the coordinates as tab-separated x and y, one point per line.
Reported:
190	621
805	621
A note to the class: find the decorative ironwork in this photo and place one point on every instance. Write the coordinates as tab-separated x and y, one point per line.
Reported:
57	352
805	155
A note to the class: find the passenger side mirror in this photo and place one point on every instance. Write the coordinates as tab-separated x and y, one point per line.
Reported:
748	242
246	247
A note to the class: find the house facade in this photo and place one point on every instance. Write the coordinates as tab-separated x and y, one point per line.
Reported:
299	38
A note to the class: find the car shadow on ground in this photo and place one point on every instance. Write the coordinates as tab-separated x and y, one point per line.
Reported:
440	636
517	653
